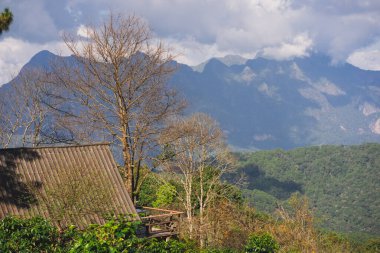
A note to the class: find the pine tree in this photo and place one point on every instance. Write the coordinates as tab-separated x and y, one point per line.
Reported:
6	18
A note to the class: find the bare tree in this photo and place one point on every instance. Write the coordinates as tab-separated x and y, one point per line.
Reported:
118	85
10	121
23	113
198	157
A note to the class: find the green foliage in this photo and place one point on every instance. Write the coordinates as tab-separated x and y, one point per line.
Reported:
341	182
263	201
372	245
334	242
173	246
27	235
263	243
6	18
149	186
116	235
218	251
165	195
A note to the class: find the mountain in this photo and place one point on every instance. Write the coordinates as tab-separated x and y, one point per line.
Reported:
265	104
228	60
341	183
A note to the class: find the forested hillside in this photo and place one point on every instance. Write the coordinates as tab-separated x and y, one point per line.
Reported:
342	183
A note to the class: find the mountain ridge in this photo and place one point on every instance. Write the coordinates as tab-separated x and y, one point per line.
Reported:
265	103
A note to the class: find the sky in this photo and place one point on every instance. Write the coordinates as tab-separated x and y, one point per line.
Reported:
196	30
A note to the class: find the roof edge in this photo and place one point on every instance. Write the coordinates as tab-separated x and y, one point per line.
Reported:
61	146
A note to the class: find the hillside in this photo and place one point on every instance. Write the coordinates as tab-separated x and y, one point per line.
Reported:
342	183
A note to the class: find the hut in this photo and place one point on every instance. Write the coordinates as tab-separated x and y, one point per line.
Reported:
67	184
77	185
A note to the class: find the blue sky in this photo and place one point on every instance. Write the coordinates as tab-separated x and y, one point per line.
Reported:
347	30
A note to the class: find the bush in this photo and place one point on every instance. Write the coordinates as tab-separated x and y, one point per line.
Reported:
165	195
263	243
172	246
117	235
150	184
219	251
28	235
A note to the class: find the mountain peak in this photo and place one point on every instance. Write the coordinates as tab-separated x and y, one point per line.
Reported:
42	55
227	60
230	60
42	58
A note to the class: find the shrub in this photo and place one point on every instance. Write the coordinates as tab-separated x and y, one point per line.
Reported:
219	251
27	235
165	195
172	246
372	245
117	235
263	243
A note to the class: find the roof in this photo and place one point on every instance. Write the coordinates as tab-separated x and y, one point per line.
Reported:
57	183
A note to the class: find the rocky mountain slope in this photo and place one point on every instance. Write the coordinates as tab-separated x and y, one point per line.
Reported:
265	104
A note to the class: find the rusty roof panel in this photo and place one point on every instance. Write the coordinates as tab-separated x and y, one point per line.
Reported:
33	180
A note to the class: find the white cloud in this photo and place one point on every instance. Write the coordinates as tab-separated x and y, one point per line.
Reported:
38	21
367	57
298	47
83	31
201	29
191	52
15	53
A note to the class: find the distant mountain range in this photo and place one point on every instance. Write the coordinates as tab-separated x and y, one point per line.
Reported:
266	104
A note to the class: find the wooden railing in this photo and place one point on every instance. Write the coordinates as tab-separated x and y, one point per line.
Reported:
160	223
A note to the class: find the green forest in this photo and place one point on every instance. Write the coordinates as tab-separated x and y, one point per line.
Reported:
341	182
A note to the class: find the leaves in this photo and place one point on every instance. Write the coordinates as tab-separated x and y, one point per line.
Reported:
261	243
117	235
6	18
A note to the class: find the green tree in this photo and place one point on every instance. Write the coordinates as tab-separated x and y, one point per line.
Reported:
165	195
6	18
263	243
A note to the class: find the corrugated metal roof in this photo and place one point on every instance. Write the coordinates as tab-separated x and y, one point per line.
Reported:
34	181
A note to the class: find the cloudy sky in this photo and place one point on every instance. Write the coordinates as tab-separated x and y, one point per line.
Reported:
347	30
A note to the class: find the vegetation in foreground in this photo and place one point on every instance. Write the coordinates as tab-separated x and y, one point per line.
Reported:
121	235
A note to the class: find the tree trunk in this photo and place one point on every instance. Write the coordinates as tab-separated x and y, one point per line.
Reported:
127	167
189	210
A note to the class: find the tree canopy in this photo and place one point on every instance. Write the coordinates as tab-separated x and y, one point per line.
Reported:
6	18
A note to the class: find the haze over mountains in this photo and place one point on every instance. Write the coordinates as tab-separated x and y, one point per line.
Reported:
266	104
